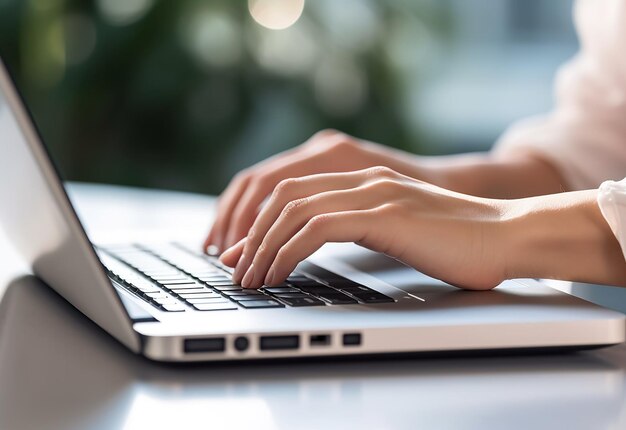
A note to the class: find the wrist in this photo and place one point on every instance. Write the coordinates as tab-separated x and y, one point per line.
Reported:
561	236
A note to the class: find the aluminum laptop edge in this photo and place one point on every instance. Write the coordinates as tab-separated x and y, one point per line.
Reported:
426	315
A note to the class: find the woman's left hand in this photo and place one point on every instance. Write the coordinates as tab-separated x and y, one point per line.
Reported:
447	235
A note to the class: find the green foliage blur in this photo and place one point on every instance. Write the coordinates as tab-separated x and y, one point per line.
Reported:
182	94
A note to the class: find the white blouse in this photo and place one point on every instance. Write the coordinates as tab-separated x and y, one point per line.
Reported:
585	134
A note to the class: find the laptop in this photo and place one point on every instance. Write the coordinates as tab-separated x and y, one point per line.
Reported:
170	302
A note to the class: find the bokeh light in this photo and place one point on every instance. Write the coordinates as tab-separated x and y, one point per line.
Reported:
276	14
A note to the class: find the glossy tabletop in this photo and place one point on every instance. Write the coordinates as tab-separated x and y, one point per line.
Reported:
60	371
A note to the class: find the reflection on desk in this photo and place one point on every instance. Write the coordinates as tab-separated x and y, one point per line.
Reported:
60	371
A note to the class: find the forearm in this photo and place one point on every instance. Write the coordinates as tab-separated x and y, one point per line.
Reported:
483	175
478	174
564	237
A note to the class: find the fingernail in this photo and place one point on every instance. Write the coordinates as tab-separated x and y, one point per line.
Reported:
269	279
247	280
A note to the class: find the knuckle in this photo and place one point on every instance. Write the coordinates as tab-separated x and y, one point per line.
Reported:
384	185
285	186
317	223
327	132
381	171
343	143
261	251
391	209
293	207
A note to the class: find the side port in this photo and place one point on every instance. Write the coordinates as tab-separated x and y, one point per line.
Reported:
319	340
273	343
210	344
352	339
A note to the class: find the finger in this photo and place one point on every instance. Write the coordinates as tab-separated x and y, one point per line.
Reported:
297	213
225	206
294	165
350	226
293	189
286	191
231	256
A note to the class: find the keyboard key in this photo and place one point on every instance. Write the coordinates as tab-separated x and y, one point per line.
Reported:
317	289
199	295
227	287
258	304
173	307
291	295
301	301
297	278
215	277
243	293
305	283
207	300
336	298
181	287
249	297
177	282
189	290
224	283
172	279
279	290
372	297
166	300
215	306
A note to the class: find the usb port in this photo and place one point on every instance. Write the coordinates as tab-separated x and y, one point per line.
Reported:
319	340
213	344
268	343
352	339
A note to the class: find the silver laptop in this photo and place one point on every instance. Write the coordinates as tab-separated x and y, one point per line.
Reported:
170	302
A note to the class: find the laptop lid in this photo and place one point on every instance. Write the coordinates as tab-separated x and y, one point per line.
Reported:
39	220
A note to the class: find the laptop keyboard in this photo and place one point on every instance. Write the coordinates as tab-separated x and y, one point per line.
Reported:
174	279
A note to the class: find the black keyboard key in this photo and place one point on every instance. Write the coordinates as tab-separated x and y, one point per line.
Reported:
189	291
291	295
215	306
317	289
221	283
280	290
258	304
228	287
243	292
181	287
372	297
353	287
336	298
176	281
198	295
207	300
301	301
242	298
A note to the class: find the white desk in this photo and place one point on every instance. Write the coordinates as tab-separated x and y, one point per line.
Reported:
60	371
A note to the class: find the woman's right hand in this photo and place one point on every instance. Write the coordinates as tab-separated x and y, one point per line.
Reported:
327	151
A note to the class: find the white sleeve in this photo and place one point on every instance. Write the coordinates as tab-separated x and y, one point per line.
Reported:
584	136
612	202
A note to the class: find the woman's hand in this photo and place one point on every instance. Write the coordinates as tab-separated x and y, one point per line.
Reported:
327	151
447	235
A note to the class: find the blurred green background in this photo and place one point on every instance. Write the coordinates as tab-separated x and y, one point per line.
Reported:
182	94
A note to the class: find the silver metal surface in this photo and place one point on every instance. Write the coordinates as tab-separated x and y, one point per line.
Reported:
58	371
39	221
